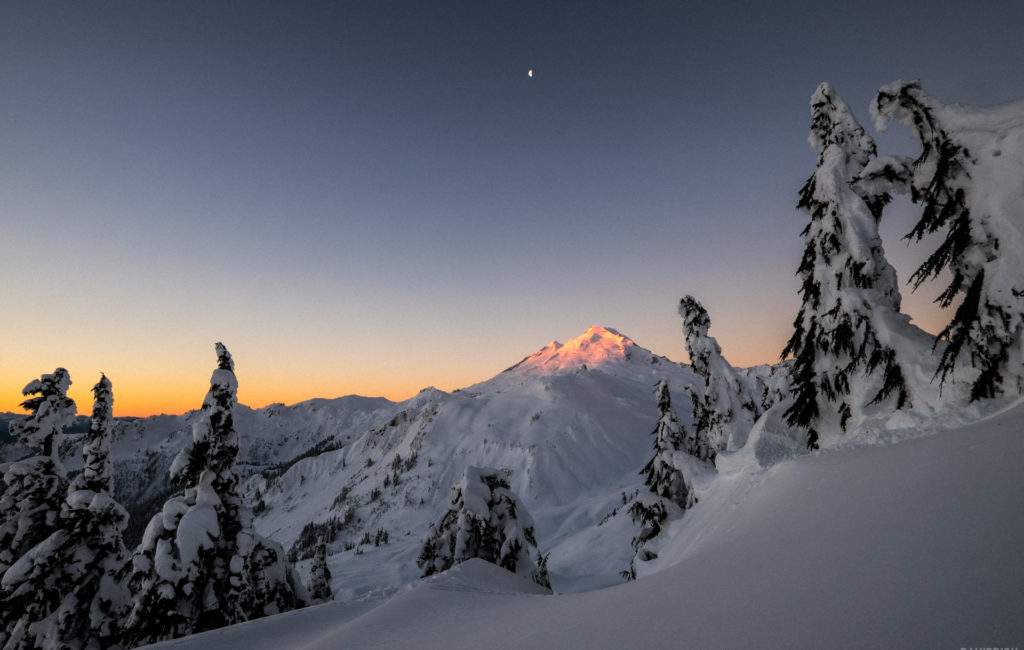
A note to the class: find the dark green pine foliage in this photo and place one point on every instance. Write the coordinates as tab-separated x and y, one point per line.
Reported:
320	576
679	456
72	596
486	520
649	512
200	565
664	473
31	504
850	301
987	325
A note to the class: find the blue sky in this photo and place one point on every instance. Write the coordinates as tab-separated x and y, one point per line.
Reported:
373	197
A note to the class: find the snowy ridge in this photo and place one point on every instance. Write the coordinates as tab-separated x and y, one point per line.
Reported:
573	439
890	546
572	426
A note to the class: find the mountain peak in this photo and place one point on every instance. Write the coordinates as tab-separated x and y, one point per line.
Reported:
595	347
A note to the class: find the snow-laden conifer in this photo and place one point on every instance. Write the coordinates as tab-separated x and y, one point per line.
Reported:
486	520
728	406
679	457
31	504
665	471
200	565
320	576
850	300
958	180
71	596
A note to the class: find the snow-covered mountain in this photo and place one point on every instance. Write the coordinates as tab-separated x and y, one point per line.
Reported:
572	422
915	544
893	524
862	493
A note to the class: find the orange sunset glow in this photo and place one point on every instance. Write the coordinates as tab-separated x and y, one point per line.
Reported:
174	382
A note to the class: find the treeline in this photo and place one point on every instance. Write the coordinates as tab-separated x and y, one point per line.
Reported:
67	579
852	353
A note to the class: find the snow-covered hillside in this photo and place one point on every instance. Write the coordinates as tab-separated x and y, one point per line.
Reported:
889	536
272	439
915	544
572	423
860	543
864	492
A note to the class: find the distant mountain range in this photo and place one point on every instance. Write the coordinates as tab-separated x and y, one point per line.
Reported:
572	422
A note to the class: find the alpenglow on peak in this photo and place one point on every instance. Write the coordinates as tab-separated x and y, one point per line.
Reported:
595	347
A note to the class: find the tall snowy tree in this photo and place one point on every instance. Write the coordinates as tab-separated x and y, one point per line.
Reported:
850	298
200	565
486	520
665	474
70	598
320	576
729	405
36	486
982	218
679	457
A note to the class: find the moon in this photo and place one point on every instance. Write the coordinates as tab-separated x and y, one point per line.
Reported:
530	73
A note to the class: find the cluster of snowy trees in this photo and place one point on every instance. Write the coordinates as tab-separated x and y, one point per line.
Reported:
679	454
486	520
723	411
851	350
846	346
840	343
66	578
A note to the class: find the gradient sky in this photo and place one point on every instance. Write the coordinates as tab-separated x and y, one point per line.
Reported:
373	197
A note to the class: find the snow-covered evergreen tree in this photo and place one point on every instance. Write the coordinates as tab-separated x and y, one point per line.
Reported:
69	595
729	405
320	576
679	456
36	487
648	511
486	520
850	298
200	565
664	472
983	220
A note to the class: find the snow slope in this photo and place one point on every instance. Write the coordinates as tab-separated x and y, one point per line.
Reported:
572	422
873	534
913	544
